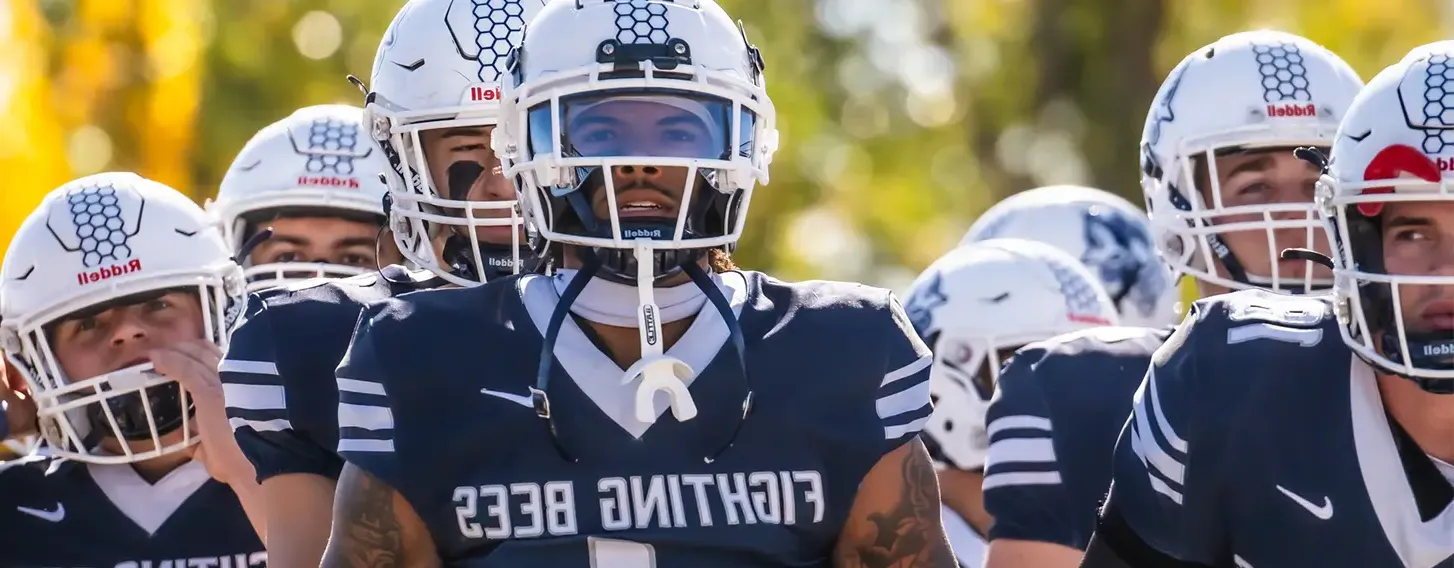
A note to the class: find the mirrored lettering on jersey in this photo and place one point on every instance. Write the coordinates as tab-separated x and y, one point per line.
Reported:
530	510
250	560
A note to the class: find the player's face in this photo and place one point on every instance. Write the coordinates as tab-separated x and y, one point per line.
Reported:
642	128
446	147
1267	177
90	343
1418	240
324	240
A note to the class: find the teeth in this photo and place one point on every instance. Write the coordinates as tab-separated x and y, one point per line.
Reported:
641	206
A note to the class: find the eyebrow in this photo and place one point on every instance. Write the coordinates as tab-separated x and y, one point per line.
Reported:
687	119
354	242
1258	164
1408	222
462	132
593	120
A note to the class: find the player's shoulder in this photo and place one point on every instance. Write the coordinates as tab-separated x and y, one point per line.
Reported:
1243	327
821	296
1111	342
321	294
1101	363
427	306
32	473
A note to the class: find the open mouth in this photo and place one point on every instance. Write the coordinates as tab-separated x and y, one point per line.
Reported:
1438	316
643	203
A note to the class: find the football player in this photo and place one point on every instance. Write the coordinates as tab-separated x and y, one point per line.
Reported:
313	180
523	423
1260	439
433	105
114	299
1225	191
974	307
1108	234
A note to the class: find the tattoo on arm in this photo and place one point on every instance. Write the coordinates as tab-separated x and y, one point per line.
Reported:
908	534
366	530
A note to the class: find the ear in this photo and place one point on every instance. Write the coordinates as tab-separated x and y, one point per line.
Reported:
11	378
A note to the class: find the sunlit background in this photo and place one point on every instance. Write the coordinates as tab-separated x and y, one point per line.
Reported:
901	119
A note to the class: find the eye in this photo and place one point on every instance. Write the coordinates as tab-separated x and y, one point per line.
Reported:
679	136
1410	235
87	323
1253	188
467	148
358	260
157	305
598	136
288	256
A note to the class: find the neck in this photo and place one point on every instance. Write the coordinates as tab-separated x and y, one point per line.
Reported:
615	304
1427	417
153	470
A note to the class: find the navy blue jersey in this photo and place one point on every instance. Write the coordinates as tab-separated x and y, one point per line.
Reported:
433	400
1052	425
63	514
278	372
1259	439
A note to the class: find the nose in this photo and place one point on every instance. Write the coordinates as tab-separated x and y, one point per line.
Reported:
636	172
128	330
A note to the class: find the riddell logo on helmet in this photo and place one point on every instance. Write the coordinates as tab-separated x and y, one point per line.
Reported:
1445	164
94	276
328	181
484	94
1292	110
1439	350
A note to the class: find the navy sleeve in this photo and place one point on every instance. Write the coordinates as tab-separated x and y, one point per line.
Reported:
275	431
1024	489
365	417
1163	504
902	398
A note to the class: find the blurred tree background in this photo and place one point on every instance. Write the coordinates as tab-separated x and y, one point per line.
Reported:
902	119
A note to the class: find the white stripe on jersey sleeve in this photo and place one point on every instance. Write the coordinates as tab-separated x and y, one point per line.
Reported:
365	422
255	397
249	367
1145	444
896	401
1035	450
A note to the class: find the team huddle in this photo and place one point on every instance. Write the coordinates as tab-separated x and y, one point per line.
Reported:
491	318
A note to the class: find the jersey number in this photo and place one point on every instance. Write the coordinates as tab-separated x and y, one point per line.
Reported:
613	553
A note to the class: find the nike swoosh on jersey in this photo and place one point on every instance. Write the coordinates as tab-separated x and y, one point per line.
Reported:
1323	512
521	400
52	516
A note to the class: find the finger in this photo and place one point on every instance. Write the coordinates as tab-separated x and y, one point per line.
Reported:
205	352
192	375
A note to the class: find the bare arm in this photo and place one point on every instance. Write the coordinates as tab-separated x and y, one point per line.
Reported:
895	518
375	527
299	512
1011	553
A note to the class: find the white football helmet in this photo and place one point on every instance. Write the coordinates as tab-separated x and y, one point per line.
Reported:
317	161
439	67
1251	90
980	302
684	61
1109	235
1396	144
90	242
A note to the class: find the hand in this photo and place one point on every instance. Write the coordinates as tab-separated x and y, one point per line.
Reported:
19	408
193	364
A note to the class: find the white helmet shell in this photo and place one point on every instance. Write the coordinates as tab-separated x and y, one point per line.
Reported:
317	159
1250	90
980	300
686	56
439	67
92	241
1109	235
1395	145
